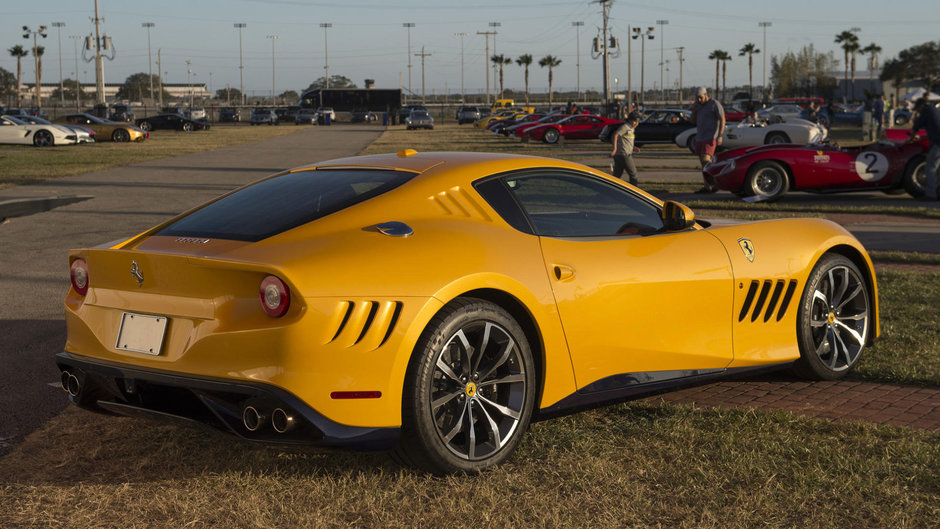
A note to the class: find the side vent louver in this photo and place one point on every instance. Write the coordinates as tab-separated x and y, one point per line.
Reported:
457	201
767	294
364	323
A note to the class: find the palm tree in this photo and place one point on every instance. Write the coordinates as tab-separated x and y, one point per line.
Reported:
847	39
525	61
19	52
872	50
724	58
714	56
749	49
500	60
38	52
551	62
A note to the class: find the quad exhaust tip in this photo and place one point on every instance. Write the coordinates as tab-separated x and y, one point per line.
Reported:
281	421
252	418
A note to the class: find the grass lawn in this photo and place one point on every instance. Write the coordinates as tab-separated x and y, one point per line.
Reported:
23	164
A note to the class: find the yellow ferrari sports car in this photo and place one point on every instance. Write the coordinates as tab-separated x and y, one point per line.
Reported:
106	130
436	303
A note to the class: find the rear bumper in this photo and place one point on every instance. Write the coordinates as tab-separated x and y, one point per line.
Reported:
216	403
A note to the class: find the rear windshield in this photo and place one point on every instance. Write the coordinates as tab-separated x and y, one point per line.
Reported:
278	204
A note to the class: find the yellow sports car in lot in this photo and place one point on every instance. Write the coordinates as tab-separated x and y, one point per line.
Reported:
438	302
106	130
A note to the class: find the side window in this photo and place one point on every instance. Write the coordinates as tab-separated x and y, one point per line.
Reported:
572	205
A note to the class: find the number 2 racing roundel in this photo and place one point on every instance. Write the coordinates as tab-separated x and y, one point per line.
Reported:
871	166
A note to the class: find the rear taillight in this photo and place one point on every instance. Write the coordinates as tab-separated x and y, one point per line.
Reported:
79	275
275	297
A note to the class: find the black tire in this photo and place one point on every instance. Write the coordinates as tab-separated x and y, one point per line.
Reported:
120	136
145	126
551	136
833	320
690	143
776	138
915	177
901	120
474	364
187	127
43	138
767	179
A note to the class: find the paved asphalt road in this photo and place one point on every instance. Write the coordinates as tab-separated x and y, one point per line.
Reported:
125	201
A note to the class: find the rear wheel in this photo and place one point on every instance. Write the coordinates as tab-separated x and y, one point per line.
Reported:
43	138
690	143
120	136
768	180
187	127
469	391
145	126
901	119
915	177
551	136
833	320
776	138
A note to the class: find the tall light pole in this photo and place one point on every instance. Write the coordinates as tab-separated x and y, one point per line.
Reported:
26	33
408	26
486	61
679	50
765	25
99	59
149	25
662	61
241	67
78	85
493	32
463	94
59	26
577	39
326	51
638	34
273	85
189	84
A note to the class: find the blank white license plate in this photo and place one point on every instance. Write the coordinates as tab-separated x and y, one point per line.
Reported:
141	333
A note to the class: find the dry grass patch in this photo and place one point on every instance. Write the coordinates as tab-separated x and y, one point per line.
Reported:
25	164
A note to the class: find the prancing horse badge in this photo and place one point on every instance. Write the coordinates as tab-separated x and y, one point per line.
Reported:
137	273
747	247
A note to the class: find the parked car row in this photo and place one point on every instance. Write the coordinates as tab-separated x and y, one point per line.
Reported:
67	130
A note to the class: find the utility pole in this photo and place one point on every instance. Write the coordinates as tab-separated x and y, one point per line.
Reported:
422	55
99	61
273	83
494	25
26	33
604	49
463	93
408	26
160	77
577	39
149	25
58	26
764	25
638	34
680	49
241	67
486	61
662	59
326	51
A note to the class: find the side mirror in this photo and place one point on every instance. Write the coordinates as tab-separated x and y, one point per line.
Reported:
677	216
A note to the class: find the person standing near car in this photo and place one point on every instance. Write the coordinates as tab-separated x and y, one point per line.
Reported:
709	118
928	118
878	114
624	148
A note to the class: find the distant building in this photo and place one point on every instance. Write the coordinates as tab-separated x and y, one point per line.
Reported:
176	91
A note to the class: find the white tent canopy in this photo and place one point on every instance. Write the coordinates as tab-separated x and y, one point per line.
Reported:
919	93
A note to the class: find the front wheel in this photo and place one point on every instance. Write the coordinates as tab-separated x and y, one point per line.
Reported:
767	180
469	391
145	126
690	143
833	320
900	120
120	136
776	138
551	136
43	138
187	127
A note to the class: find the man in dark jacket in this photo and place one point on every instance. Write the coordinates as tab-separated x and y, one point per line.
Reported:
928	118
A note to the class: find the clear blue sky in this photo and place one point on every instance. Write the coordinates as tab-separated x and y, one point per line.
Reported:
367	39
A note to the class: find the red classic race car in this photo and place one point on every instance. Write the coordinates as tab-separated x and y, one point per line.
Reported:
767	172
576	127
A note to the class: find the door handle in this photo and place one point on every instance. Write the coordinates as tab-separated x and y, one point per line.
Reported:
563	272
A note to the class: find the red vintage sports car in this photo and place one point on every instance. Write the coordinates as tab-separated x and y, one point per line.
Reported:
576	127
767	172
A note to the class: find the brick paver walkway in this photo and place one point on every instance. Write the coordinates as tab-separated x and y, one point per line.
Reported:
911	406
